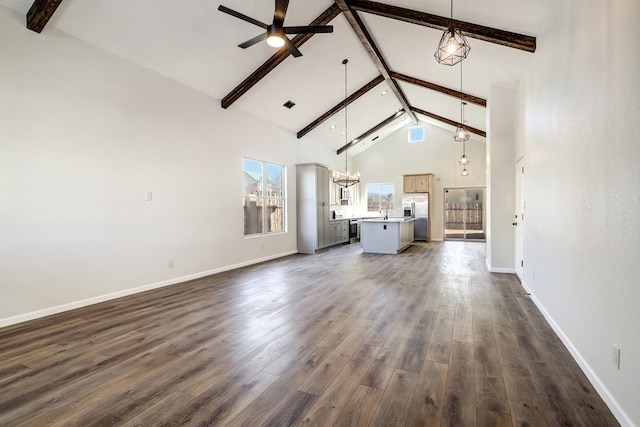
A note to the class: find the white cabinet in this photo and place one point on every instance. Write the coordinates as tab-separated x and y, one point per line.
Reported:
314	231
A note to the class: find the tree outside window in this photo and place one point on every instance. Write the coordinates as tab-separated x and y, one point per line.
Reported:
264	197
380	197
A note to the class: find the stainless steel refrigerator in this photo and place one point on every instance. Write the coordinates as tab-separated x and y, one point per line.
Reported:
417	206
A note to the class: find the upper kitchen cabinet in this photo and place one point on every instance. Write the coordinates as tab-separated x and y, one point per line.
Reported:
417	183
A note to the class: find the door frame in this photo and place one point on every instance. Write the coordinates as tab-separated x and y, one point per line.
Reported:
464	216
520	207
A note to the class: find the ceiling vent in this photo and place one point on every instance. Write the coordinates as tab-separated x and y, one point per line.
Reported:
289	104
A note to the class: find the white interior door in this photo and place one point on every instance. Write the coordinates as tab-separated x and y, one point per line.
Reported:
519	217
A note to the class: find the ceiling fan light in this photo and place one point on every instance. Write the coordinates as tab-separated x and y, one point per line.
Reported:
275	37
275	41
453	47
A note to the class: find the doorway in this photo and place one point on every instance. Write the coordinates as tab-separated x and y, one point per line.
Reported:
464	217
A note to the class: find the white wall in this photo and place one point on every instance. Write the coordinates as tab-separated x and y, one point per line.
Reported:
500	179
578	124
388	160
83	135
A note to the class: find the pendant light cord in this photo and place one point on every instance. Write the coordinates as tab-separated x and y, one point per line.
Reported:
346	136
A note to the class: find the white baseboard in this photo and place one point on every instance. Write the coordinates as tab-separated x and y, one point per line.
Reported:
498	269
8	321
602	390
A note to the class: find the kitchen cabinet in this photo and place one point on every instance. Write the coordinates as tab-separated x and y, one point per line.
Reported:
314	232
390	236
339	231
418	183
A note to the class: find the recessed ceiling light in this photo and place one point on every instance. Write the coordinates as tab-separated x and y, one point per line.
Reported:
384	92
344	133
332	127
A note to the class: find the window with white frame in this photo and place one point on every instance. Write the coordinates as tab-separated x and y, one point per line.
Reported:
380	197
264	197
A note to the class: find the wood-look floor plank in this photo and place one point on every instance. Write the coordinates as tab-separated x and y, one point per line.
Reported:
317	382
440	343
428	400
485	417
330	404
396	400
460	399
359	409
524	403
298	369
292	411
339	338
490	389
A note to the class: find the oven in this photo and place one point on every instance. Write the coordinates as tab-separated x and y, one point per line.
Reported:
354	230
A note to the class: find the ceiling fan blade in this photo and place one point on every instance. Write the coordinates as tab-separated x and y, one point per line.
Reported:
292	48
309	29
251	42
279	12
242	16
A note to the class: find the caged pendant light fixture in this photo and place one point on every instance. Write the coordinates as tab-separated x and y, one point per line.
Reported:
453	46
347	181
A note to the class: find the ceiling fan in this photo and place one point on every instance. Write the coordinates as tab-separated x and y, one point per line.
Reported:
275	33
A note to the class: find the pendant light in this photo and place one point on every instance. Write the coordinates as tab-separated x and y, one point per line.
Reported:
347	181
453	47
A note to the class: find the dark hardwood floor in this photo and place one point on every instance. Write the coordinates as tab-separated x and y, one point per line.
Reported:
424	338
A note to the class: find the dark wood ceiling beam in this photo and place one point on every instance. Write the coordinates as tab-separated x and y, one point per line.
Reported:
480	32
324	18
449	121
451	92
40	13
376	55
357	94
374	129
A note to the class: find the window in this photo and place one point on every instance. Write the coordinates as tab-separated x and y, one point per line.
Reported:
416	134
264	197
380	197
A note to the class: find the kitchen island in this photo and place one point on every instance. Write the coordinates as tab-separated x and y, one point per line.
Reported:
386	236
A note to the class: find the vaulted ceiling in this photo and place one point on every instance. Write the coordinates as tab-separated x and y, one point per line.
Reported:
393	77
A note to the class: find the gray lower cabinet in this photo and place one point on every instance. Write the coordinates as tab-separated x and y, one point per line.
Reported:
339	231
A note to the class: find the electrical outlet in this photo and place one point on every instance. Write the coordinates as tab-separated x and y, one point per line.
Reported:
615	355
170	264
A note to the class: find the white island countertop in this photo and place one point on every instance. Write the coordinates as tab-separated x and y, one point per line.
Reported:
386	236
